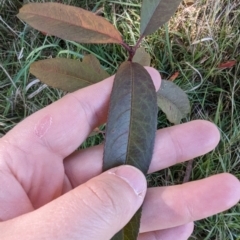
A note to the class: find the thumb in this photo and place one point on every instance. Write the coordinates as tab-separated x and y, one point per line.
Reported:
95	210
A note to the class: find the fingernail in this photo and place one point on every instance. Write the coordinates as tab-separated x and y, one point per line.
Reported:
134	177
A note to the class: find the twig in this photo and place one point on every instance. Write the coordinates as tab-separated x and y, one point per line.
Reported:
188	171
132	50
138	43
125	45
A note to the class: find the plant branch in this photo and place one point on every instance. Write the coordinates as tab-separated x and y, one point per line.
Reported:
132	50
129	49
138	43
188	171
126	46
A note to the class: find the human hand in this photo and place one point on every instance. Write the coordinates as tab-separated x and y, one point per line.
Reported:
51	191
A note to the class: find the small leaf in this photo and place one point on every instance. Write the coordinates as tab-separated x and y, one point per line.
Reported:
173	101
174	76
228	64
142	57
155	13
95	67
131	127
68	74
70	23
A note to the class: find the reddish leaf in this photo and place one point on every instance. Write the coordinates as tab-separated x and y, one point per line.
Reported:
131	128
132	119
174	76
228	64
69	23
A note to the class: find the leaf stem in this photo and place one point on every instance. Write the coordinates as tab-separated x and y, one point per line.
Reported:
138	43
126	46
132	50
129	49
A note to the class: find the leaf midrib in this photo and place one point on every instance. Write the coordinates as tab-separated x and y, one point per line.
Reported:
150	19
131	111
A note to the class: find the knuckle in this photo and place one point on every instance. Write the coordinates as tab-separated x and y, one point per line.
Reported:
179	155
103	202
104	195
189	210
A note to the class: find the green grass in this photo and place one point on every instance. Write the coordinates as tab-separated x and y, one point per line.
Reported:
214	93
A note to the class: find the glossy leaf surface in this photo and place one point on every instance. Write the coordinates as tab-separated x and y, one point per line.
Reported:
131	127
68	74
132	119
70	23
142	57
173	101
155	13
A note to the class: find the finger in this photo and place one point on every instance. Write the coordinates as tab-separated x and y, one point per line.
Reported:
172	145
168	207
95	210
181	233
63	126
13	199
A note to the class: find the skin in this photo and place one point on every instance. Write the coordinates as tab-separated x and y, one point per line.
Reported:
51	191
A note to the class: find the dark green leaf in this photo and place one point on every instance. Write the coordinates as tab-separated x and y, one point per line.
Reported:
173	101
131	230
155	13
70	23
142	57
67	74
131	127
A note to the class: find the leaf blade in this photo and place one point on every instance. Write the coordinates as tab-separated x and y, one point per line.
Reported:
142	57
130	132
70	23
155	13
133	90
130	231
173	101
68	74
